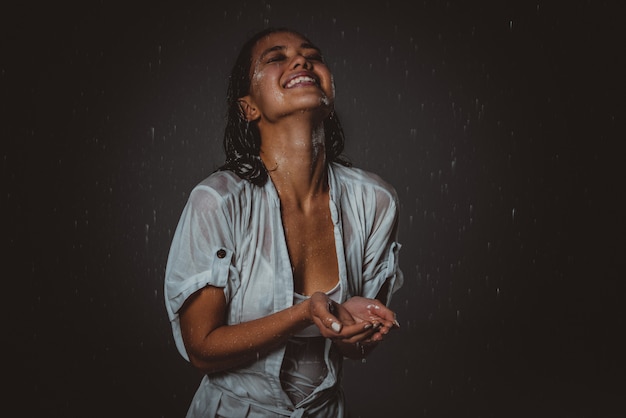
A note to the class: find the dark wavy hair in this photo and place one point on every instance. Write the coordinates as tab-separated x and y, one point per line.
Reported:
242	139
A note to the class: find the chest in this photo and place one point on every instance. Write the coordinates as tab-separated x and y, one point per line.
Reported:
310	240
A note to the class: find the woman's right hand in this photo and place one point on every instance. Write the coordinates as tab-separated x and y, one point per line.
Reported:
335	322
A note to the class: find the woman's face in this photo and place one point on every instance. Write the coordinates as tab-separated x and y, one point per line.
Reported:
288	75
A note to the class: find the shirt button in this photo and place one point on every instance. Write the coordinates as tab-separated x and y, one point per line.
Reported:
221	253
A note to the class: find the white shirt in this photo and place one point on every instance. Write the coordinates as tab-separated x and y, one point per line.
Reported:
230	235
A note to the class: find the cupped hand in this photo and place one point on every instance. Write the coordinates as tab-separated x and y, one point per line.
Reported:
336	322
373	311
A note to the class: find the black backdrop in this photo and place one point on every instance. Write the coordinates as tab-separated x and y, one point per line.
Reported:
499	123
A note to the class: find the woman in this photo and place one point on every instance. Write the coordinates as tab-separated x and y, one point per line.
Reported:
284	259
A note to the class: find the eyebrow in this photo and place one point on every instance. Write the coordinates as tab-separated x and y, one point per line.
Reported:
304	45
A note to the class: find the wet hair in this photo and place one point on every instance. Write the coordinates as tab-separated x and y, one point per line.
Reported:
242	139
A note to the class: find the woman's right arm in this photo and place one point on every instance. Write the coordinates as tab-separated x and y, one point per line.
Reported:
213	346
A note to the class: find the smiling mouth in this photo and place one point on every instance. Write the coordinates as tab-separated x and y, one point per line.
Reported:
303	79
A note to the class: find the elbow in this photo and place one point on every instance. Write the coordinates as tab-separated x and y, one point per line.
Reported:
206	364
204	361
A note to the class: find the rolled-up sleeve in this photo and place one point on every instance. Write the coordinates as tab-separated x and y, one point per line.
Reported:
380	264
201	254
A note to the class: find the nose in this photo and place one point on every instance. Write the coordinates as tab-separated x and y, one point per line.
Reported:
301	61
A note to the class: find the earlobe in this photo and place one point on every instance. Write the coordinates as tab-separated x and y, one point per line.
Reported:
248	110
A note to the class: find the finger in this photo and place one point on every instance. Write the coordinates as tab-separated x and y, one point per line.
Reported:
337	317
379	333
324	312
385	324
378	310
346	331
386	329
364	337
356	332
377	337
329	326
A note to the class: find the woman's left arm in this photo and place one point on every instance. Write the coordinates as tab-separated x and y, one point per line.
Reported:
381	276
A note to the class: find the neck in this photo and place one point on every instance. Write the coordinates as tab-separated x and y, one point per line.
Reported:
295	158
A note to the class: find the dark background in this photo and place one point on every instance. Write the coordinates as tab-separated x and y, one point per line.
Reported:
499	123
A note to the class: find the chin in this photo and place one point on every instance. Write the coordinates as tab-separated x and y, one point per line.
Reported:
318	104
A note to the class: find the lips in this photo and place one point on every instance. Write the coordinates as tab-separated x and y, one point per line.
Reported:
300	79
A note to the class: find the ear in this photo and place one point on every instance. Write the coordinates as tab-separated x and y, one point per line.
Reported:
248	108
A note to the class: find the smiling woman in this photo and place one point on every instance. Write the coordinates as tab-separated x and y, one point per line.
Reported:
284	260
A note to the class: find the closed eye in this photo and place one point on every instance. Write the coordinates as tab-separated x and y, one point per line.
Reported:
275	58
315	57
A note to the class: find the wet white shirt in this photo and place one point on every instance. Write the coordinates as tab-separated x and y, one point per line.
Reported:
230	235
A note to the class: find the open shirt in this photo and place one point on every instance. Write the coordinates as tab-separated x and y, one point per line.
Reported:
230	235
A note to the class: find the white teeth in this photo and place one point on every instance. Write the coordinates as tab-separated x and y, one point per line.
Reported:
298	80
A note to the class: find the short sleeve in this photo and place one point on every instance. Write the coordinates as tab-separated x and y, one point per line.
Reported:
201	254
380	264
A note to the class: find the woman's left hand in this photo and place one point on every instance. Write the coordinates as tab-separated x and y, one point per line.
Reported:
372	310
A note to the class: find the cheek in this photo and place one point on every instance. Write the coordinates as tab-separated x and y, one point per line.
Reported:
255	81
262	84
